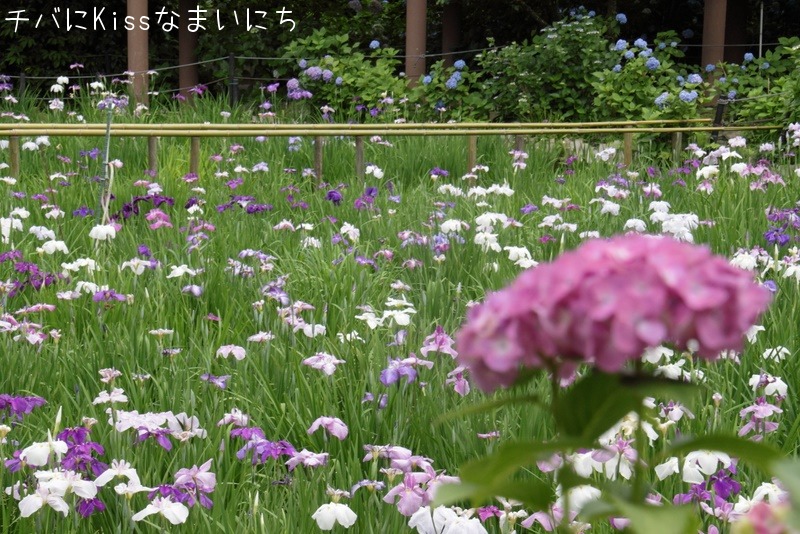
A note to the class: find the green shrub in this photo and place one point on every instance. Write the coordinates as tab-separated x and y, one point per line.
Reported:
649	83
551	77
765	88
450	93
342	75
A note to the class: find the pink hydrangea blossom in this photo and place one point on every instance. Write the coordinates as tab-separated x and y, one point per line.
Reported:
604	304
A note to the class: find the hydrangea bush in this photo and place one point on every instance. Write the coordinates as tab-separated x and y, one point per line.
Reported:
647	82
550	77
340	74
763	88
455	93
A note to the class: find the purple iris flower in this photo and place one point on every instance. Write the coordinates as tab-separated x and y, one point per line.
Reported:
398	369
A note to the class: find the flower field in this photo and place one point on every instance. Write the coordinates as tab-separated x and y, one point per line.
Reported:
255	348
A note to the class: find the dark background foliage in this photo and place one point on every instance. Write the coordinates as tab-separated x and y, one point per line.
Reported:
49	51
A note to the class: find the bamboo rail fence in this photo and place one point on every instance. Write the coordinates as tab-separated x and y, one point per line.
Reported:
359	131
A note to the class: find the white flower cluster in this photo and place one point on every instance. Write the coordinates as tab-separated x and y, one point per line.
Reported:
399	311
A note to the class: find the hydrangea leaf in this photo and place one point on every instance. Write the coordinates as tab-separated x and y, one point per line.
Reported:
488	406
599	400
510	457
594	405
648	519
757	454
534	493
788	472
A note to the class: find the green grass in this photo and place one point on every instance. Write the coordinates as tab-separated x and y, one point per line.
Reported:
281	395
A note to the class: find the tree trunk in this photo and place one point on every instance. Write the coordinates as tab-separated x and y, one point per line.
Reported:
187	50
451	31
416	37
714	18
611	8
736	31
138	51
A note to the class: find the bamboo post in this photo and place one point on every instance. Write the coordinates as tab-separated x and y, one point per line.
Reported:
194	156
319	142
152	153
13	147
677	145
627	147
360	157
242	130
472	152
516	128
519	143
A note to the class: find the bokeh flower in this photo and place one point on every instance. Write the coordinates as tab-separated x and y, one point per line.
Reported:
604	304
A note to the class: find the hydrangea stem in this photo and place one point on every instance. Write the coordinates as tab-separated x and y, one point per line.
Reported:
639	492
639	489
555	388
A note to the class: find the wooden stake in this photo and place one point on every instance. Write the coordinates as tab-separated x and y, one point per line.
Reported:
472	152
13	147
677	145
152	153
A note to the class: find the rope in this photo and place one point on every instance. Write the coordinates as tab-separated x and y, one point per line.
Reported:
727	45
267	58
168	91
259	58
458	52
172	67
191	87
758	97
121	74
